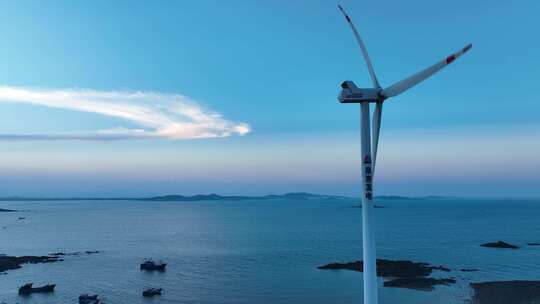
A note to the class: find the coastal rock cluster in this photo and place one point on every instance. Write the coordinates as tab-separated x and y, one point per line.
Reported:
401	273
14	262
417	275
506	292
418	283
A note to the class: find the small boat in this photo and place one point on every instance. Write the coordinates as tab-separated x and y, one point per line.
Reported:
28	288
151	265
150	292
88	299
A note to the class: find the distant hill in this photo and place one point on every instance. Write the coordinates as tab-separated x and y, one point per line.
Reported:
217	197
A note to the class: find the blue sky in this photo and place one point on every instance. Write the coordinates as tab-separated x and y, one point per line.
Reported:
258	81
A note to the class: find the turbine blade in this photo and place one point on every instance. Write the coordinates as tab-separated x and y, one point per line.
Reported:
377	116
362	48
407	83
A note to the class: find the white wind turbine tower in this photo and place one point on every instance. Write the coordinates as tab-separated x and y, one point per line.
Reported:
350	93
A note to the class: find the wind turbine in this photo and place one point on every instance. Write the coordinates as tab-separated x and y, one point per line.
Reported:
350	93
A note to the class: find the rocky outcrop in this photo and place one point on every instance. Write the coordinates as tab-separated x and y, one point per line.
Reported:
391	268
404	274
499	244
14	262
424	284
506	292
76	253
469	269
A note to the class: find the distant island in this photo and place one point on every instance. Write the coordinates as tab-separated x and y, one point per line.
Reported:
216	197
188	198
400	198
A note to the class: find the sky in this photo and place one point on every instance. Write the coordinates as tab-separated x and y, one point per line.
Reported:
137	98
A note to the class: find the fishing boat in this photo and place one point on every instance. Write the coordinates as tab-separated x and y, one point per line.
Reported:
28	288
150	292
88	299
150	265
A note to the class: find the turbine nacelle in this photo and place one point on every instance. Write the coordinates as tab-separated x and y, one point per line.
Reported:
350	93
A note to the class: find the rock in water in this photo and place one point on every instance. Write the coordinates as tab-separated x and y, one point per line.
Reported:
418	283
355	266
405	274
506	292
499	244
469	269
390	268
13	262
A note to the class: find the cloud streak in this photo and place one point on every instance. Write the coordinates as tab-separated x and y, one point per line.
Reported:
168	116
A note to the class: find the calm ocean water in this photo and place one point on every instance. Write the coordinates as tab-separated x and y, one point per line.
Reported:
260	251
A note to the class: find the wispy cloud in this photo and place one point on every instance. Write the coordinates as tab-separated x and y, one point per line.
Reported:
159	115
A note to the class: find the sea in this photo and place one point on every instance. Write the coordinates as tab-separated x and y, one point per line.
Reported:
261	251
